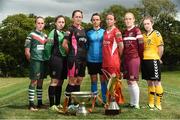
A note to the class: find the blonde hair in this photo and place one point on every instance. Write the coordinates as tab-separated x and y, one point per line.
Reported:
130	14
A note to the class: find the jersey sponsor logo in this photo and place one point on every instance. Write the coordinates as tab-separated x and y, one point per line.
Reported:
105	42
82	39
40	47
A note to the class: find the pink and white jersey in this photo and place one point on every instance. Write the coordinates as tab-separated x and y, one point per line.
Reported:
110	48
133	43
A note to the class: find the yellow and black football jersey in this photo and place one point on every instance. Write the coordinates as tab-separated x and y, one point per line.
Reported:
151	43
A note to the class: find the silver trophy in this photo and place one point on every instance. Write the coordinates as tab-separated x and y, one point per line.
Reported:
82	98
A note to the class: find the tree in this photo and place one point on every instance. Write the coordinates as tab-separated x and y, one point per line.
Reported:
164	14
155	8
6	63
118	11
13	32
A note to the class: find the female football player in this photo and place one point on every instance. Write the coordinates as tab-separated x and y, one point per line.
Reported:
34	52
75	45
133	53
112	50
151	70
57	62
94	55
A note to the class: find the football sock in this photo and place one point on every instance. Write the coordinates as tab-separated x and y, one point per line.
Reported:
58	90
70	88
151	95
159	94
31	92
134	95
94	87
130	94
39	94
51	92
103	91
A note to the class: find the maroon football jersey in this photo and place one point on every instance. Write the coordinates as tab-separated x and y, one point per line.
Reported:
133	43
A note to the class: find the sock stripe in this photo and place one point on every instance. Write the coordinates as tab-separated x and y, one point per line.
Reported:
31	94
31	90
160	95
31	100
152	93
39	90
39	95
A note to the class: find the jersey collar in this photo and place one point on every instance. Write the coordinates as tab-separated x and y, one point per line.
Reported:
150	33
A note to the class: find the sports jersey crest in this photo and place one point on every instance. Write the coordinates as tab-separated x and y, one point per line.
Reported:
130	34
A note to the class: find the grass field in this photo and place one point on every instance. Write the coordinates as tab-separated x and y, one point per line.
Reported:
14	103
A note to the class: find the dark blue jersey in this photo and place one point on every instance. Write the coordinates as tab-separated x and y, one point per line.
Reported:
95	39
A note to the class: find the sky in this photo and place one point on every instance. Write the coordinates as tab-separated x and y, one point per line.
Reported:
63	7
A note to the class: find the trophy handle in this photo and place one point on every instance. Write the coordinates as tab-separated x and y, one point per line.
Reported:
106	73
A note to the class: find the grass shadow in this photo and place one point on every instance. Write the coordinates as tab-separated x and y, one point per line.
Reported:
14	106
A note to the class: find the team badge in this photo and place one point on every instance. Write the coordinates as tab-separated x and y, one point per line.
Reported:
130	34
38	75
67	33
78	34
149	41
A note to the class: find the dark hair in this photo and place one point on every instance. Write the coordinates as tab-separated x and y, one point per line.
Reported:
95	14
59	16
111	13
38	18
75	12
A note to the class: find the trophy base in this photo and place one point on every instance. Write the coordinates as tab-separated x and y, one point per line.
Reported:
112	112
81	111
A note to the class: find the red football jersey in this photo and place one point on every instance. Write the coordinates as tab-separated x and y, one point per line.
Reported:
110	52
133	43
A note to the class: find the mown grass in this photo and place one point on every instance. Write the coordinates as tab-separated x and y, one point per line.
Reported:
14	101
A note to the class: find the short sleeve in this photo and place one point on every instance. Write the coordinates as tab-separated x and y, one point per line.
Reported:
28	41
159	40
139	36
68	34
118	35
51	36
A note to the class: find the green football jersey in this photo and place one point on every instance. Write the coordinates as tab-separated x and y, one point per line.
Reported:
50	42
36	41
